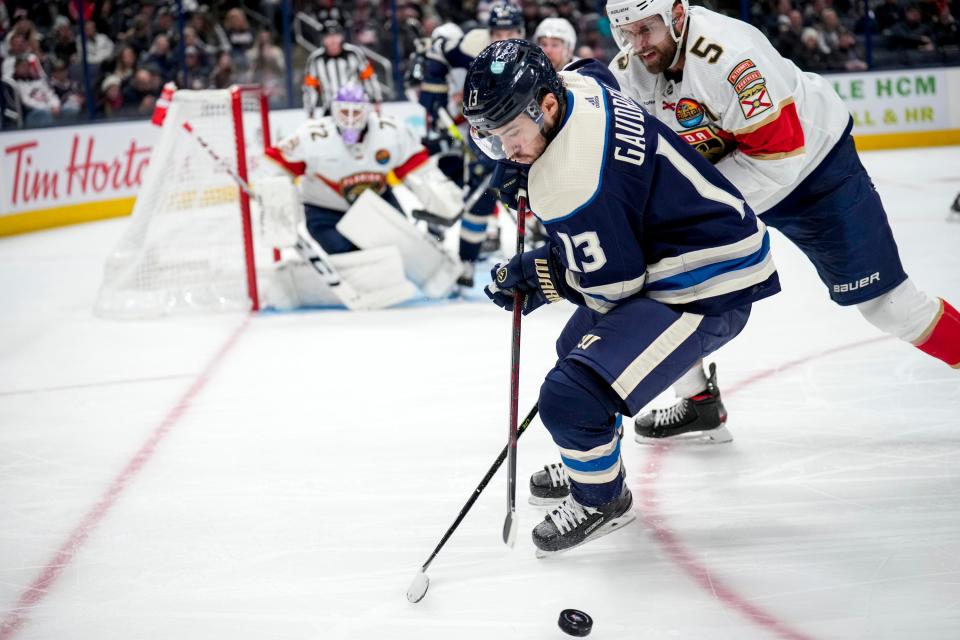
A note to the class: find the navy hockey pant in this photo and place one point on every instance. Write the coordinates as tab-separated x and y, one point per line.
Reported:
836	218
617	363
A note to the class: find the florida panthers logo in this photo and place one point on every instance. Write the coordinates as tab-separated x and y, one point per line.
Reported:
352	186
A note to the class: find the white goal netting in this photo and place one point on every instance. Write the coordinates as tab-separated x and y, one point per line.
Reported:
195	236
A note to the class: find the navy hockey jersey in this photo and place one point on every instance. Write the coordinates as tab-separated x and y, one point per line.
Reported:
635	211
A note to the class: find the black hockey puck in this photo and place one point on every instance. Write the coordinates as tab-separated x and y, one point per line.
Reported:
575	623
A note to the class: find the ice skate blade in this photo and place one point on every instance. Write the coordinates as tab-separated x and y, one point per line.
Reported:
719	435
613	525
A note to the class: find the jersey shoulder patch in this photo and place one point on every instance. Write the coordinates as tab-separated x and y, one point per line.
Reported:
558	189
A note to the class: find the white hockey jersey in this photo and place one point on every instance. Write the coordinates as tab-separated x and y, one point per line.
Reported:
765	124
334	173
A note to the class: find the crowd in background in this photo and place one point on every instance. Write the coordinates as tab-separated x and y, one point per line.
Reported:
133	48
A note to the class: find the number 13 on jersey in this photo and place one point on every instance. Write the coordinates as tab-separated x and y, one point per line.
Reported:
586	244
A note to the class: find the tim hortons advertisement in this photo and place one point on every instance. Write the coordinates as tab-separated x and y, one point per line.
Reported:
48	168
87	172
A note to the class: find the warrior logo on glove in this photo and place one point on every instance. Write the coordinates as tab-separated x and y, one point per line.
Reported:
502	274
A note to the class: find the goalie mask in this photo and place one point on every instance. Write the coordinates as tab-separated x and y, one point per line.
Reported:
502	95
350	110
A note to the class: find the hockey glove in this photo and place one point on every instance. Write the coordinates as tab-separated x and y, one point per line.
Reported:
508	178
537	274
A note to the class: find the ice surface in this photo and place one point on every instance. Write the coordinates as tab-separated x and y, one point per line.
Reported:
281	477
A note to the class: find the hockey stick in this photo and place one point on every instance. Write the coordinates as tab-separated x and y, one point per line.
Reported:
510	523
310	251
418	587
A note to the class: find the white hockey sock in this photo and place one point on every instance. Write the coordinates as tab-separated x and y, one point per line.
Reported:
904	312
692	382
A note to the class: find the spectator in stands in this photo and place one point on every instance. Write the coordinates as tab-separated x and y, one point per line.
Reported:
205	52
164	25
267	68
68	91
787	41
126	63
222	75
209	39
888	14
16	46
239	35
161	59
846	57
99	45
111	97
945	31
911	33
830	28
198	74
811	57
28	30
141	91
62	42
40	103
138	36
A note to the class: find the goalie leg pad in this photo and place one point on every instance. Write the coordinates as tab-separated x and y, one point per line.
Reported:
375	273
372	223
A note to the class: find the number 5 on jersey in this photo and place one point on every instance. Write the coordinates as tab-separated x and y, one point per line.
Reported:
587	244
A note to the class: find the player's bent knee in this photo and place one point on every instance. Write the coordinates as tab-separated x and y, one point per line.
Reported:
574	398
904	311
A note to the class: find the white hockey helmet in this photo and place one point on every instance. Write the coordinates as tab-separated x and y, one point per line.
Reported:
623	12
558	28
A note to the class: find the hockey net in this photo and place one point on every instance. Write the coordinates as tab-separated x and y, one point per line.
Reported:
196	238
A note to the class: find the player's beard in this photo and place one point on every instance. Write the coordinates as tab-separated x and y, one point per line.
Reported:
665	51
538	146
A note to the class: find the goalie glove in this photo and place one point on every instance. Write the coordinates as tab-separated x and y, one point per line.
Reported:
538	275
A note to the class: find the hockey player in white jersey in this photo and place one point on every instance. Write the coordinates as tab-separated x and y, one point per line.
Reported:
782	137
340	157
557	38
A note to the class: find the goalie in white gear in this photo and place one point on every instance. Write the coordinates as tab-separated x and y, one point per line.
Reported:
339	157
782	137
557	38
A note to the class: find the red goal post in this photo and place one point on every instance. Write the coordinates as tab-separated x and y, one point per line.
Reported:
195	237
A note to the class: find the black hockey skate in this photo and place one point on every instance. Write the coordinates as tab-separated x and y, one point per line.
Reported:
571	524
955	210
697	420
465	279
550	485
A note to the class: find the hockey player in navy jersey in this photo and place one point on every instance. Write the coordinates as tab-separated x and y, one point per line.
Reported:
450	49
659	252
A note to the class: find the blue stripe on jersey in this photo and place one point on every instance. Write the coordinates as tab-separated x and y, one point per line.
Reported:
597	464
698	276
569	109
603	163
473	226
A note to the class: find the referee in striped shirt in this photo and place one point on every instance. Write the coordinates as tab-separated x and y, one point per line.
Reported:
335	64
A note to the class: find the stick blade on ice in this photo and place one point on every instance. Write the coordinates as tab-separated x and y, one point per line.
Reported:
418	587
510	529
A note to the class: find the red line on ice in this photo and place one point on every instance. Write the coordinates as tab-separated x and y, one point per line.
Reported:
671	543
33	594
